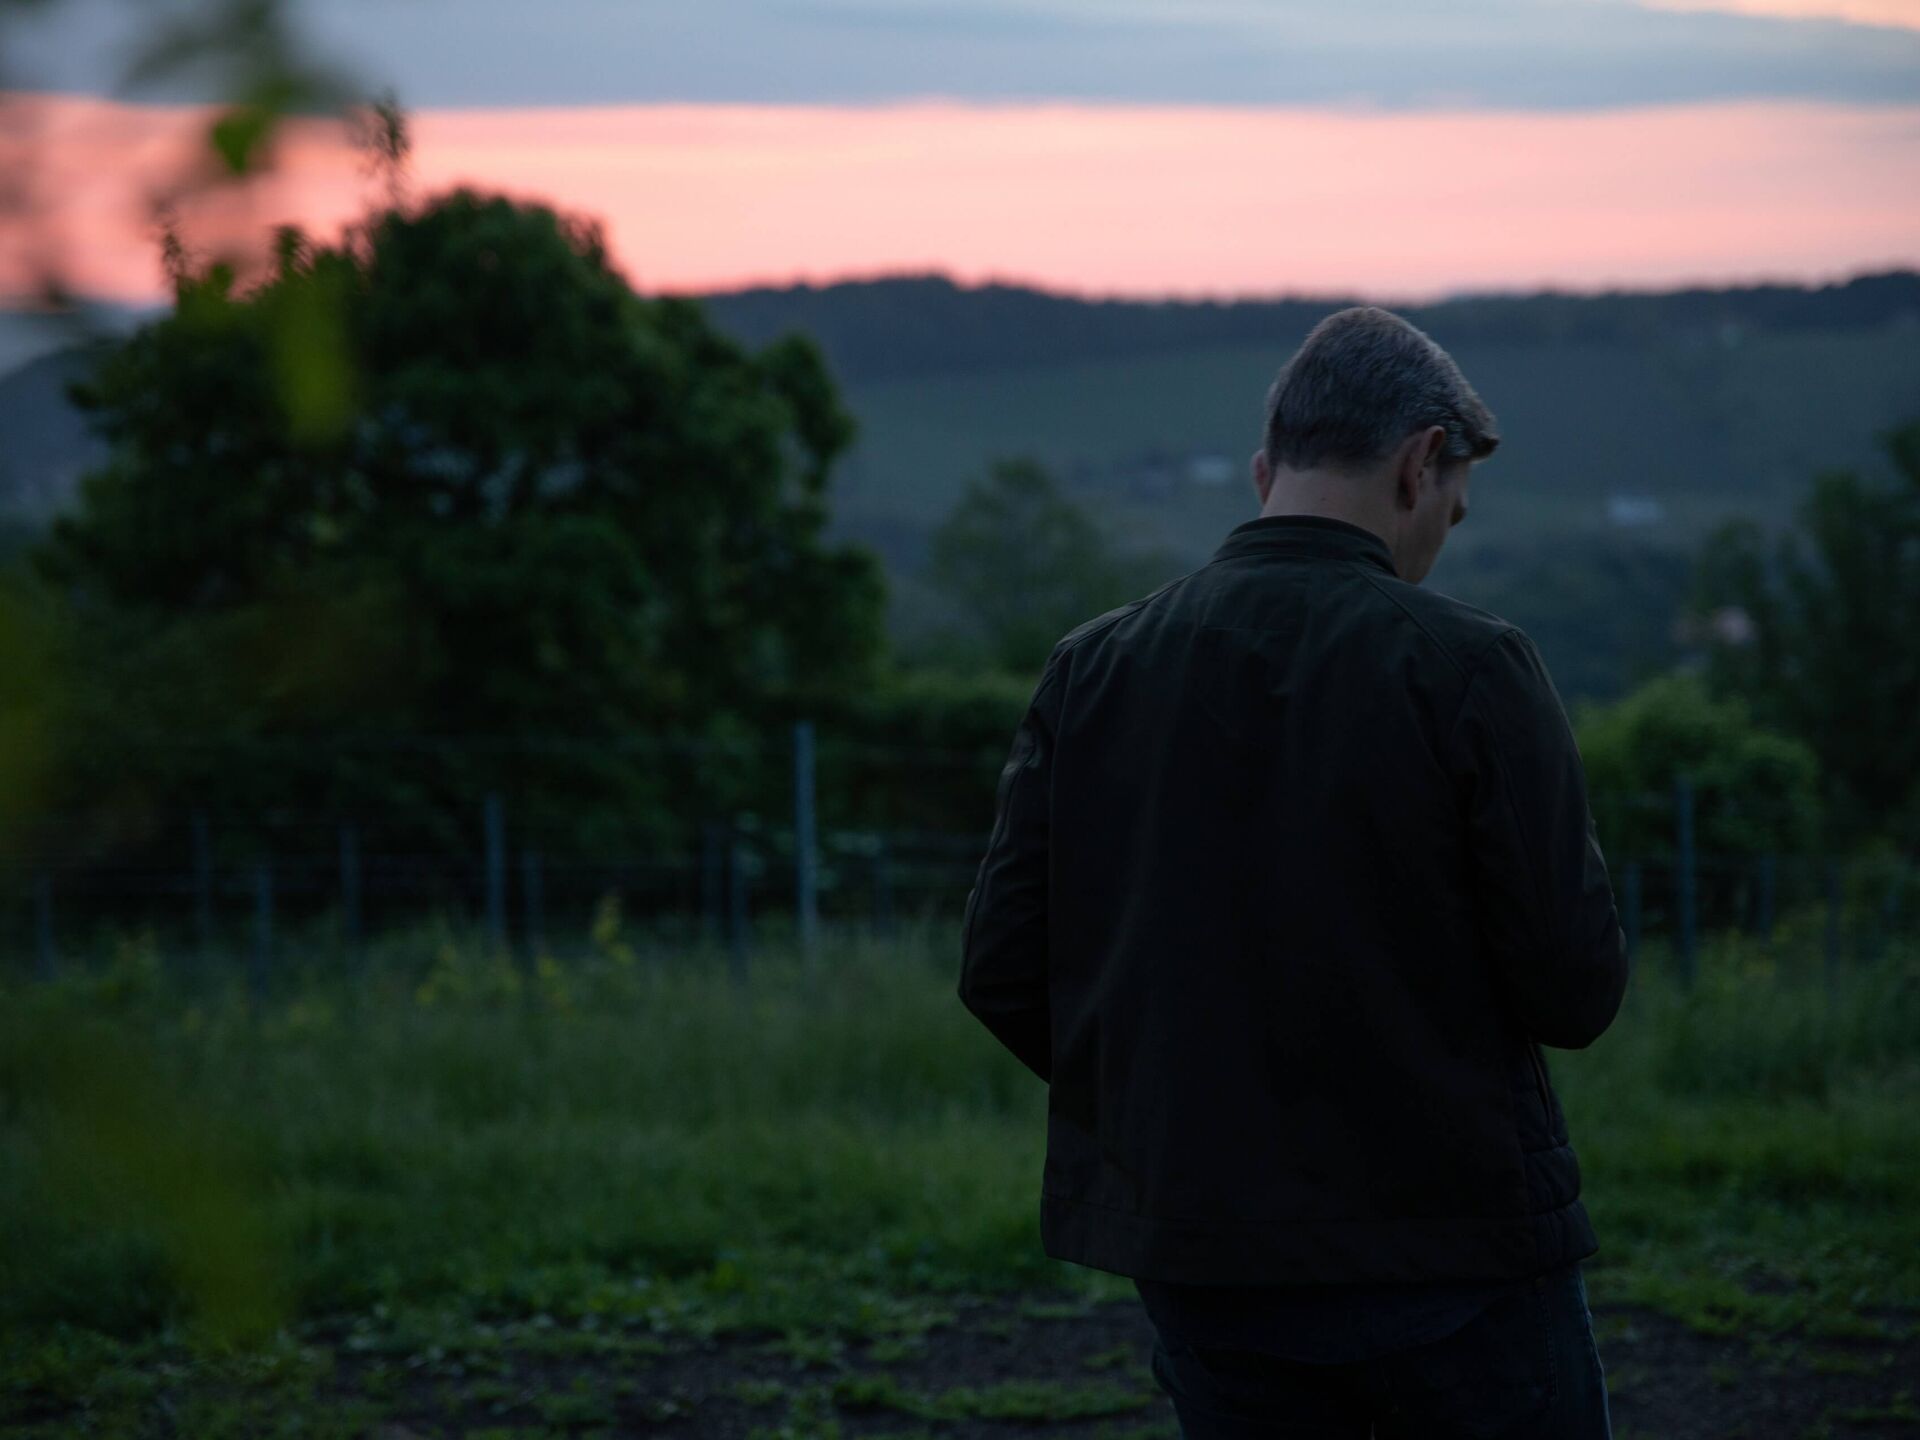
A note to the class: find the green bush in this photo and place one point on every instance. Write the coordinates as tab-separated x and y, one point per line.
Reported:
1756	792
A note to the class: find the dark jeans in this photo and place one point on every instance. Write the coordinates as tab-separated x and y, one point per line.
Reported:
1525	1368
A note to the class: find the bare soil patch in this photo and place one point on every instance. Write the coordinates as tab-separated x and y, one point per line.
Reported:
1047	1364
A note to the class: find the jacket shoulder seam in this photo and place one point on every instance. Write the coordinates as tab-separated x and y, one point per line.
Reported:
1427	630
1095	626
1472	674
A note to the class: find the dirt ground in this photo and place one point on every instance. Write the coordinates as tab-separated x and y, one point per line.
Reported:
1037	1365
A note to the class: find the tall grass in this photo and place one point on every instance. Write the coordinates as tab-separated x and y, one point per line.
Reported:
440	1126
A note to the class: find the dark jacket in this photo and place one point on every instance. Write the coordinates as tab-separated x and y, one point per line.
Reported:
1291	874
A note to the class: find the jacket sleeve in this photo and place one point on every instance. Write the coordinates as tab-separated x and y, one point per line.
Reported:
1548	917
1003	945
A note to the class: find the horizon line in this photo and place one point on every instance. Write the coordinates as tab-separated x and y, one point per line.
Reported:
26	306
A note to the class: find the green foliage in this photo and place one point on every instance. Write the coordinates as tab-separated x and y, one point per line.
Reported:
451	477
1027	1400
433	1168
116	1154
32	720
1756	792
1829	652
921	748
1025	565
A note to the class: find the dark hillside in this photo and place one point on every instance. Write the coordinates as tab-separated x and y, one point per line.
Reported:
1633	423
926	324
45	445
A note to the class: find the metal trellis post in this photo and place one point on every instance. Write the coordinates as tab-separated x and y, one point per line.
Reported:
46	961
350	920
737	903
202	885
805	857
1631	903
496	825
262	933
1833	929
533	899
1684	879
1768	867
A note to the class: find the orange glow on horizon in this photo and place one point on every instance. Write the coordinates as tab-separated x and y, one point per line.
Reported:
1113	199
1902	13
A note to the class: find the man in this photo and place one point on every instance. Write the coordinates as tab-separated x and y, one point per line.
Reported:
1292	873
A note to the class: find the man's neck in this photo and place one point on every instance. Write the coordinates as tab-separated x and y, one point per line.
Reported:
1334	497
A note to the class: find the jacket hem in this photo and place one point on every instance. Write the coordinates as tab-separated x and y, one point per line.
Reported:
1310	1252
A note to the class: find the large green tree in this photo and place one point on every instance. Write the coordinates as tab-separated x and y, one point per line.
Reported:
453	478
1818	630
1022	565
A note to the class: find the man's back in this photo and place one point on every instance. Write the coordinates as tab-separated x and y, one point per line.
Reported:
1291	869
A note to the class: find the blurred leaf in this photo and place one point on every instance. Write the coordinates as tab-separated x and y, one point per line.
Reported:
239	136
312	364
119	1145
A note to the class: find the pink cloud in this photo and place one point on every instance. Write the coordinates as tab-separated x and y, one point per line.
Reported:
1096	198
1904	14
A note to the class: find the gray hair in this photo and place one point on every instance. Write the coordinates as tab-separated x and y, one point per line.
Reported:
1360	383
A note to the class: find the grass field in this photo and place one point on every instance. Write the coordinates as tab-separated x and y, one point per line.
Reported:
615	1193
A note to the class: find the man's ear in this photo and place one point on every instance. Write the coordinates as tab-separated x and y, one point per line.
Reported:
1417	452
1262	476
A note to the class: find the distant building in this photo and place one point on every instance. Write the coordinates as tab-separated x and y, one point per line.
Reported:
1210	470
1732	625
1729	625
1634	510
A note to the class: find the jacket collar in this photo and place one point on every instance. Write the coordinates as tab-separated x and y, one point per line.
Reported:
1306	537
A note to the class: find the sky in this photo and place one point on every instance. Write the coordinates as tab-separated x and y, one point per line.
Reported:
1402	149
